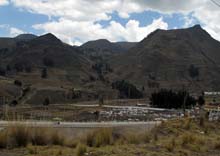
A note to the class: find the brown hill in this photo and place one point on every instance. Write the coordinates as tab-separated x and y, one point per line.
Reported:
103	48
188	58
51	67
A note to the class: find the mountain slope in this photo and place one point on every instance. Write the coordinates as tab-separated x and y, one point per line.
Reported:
188	58
26	37
104	48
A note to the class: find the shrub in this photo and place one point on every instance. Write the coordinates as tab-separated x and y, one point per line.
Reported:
57	139
103	137
18	83
132	138
81	149
170	146
48	62
188	123
3	139
100	137
188	139
20	135
90	139
155	136
146	137
32	149
217	145
46	101
39	137
44	73
202	121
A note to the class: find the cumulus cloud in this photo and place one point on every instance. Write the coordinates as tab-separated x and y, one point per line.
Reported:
15	31
4	2
71	31
79	17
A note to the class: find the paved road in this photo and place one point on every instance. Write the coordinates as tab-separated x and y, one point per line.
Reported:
121	107
149	124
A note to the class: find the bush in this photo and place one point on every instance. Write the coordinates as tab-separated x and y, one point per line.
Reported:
3	139
20	135
39	137
132	138
193	71
188	139
217	145
57	139
170	146
100	137
81	149
2	72
14	103
44	74
46	101
18	83
48	62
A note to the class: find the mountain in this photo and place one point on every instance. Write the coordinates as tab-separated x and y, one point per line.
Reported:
105	48
51	67
26	37
182	58
174	59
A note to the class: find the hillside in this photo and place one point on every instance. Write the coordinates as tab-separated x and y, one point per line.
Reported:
183	58
104	48
174	59
52	68
26	37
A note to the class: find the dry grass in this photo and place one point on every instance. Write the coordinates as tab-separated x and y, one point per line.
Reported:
180	137
20	135
100	137
39	136
3	139
81	149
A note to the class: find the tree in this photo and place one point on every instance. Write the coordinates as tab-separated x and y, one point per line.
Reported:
46	101
48	62
193	71
14	103
201	100
127	90
2	72
28	69
170	99
44	74
18	83
101	100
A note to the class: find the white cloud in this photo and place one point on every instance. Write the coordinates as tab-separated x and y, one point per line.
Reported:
69	30
15	31
4	2
79	17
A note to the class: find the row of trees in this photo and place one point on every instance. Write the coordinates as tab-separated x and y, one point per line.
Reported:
170	99
127	90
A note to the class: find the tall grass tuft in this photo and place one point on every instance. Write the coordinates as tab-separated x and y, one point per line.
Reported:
81	149
57	139
3	139
20	135
100	137
39	137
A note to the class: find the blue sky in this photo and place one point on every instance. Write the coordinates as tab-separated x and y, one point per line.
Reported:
75	22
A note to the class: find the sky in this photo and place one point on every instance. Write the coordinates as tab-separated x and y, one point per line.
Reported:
78	21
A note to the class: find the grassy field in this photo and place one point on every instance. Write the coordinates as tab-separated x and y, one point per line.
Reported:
184	137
